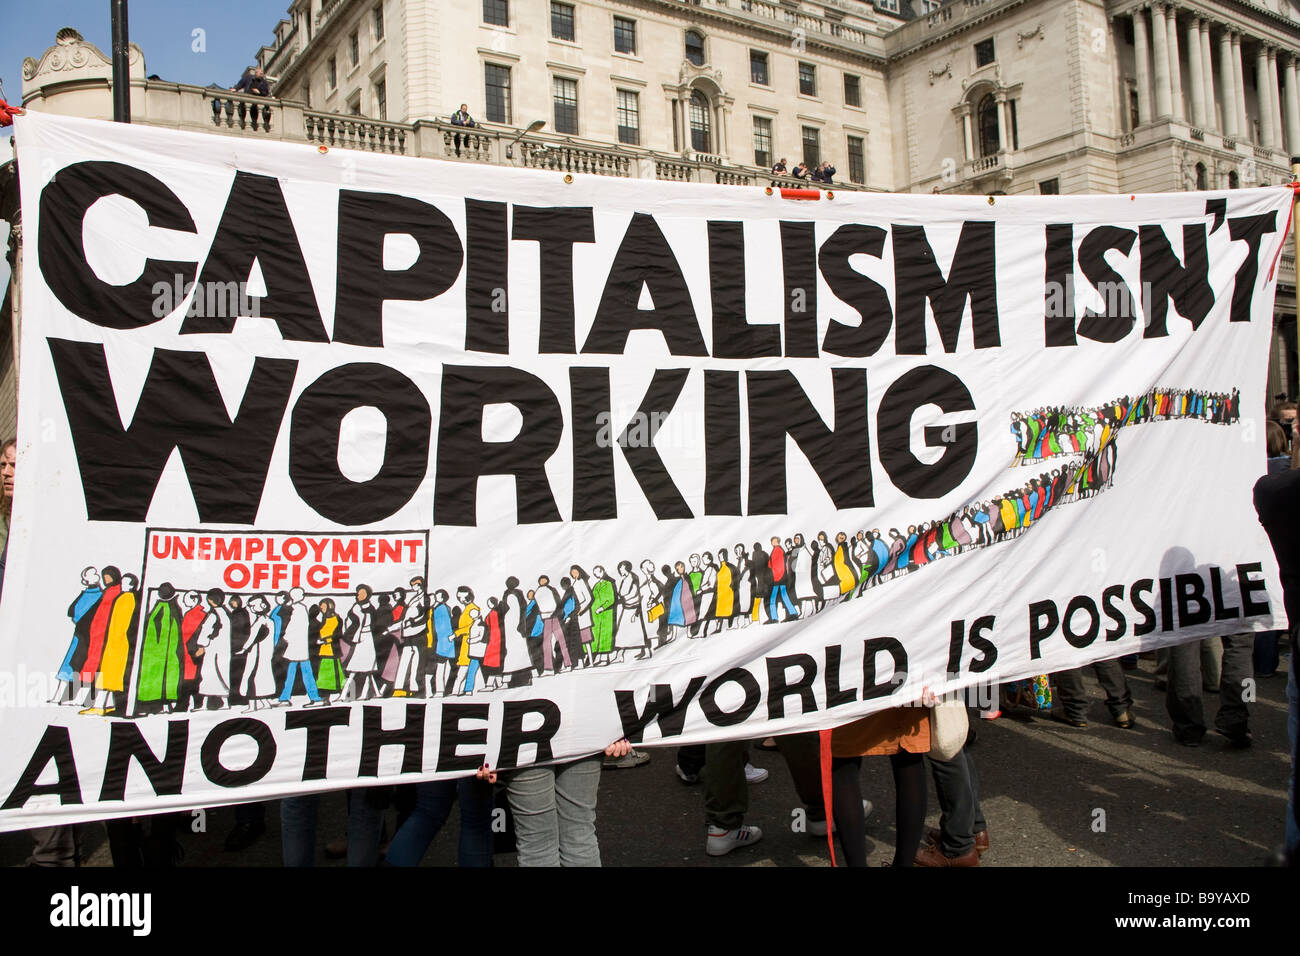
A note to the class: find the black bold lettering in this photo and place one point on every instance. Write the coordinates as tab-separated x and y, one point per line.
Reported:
410	737
733	336
1193	608
865	296
721	443
1058	286
645	261
365	221
723	718
1043	621
988	651
1108	598
1118	313
870	649
317	723
926	385
660	708
463	456
917	277
1221	611
56	745
840	456
778	688
513	735
61	251
1082	639
126	743
487	277
1187	284
452	736
555	229
835	695
1135	592
210	752
1250	230
799	269
314	442
595	494
1249	606
256	227
180	407
643	458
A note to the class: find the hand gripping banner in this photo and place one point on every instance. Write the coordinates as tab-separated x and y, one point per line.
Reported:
341	469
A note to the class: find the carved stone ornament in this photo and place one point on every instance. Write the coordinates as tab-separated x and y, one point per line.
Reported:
72	52
945	70
1022	37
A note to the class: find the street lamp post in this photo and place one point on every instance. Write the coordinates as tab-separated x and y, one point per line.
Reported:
533	127
121	68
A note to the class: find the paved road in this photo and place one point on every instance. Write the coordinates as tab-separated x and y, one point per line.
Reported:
1043	785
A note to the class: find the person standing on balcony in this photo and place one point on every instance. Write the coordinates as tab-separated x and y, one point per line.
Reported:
462	118
254	83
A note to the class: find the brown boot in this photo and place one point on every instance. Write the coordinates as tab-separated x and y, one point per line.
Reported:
931	855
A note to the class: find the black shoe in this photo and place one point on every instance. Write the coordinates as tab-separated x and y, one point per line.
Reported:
1079	722
1125	721
1237	740
243	836
1188	741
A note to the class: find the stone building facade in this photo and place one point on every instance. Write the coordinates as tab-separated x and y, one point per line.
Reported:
969	96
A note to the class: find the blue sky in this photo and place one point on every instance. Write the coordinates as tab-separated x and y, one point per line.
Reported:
163	29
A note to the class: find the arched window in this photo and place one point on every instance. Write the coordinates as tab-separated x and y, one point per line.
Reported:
695	47
1201	182
701	140
987	122
1233	181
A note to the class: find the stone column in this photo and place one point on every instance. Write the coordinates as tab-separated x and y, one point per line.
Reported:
967	133
1292	109
1226	74
1004	130
1207	62
1239	83
1160	41
1265	98
1275	100
1198	72
1175	67
1142	62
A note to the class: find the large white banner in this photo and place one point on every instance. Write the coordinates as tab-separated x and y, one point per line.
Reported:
340	468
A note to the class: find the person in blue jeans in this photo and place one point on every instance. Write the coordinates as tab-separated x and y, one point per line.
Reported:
554	809
433	802
365	822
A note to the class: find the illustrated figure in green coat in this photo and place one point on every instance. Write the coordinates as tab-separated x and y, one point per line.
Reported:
160	651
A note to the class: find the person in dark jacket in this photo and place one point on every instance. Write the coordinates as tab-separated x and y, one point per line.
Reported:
462	118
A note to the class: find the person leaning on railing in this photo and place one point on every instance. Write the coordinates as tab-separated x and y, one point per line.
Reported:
254	83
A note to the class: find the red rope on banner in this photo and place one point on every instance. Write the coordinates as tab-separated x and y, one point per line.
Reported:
825	760
1295	188
800	193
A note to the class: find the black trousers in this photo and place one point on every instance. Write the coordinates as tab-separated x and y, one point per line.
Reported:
1074	695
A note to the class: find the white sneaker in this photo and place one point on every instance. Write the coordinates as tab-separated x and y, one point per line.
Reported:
721	842
755	774
817	828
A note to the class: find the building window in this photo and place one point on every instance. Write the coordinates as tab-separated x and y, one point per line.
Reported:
807	79
377	20
1050	187
354	106
701	129
306	96
852	90
1201	181
354	49
496	87
987	123
1134	116
857	160
694	47
890	5
1015	128
1233	180
381	100
929	6
629	117
496	12
762	142
332	72
564	93
624	35
812	147
984	53
562	21
758	67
